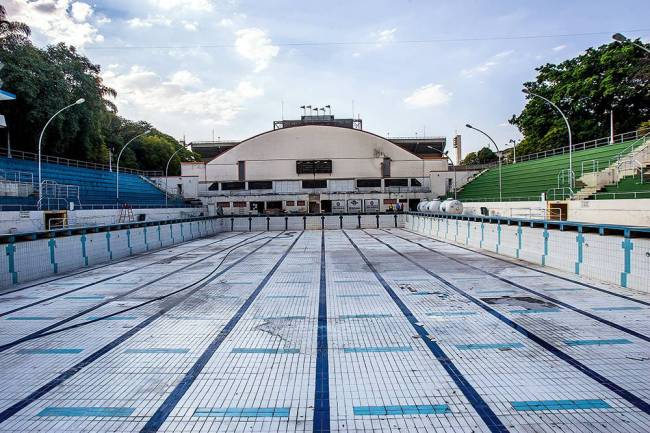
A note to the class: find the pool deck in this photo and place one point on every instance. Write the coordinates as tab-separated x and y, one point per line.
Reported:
335	330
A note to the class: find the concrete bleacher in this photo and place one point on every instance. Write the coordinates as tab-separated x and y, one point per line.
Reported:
96	187
528	180
627	188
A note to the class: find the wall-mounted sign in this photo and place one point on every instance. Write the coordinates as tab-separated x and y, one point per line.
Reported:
354	205
338	206
371	205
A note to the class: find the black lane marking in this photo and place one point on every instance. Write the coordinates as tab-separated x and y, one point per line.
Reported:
535	270
40	301
482	408
28	337
541	295
40	392
618	390
321	422
161	414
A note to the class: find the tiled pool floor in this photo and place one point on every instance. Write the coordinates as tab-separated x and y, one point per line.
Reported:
347	331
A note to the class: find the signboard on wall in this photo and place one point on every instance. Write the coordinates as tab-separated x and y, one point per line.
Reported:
338	206
354	205
371	205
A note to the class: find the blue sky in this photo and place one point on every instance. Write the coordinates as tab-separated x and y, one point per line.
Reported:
193	66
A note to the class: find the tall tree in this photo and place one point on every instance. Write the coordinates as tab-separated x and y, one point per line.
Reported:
613	76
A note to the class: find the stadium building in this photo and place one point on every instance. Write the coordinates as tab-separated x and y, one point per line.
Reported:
316	164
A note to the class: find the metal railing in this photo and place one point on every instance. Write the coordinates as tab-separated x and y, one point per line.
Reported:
29	156
559	193
17	176
621	195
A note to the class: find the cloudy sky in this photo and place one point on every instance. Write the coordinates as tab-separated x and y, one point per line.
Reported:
191	67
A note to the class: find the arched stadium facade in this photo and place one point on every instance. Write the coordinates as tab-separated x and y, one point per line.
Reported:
318	167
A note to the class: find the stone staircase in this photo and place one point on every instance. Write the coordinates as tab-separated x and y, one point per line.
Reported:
627	164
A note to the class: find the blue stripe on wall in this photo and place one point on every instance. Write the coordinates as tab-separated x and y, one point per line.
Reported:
281	317
451	313
359	295
286	296
87	411
617	308
535	311
158	350
112	318
365	316
559	405
31	318
248	412
596	342
321	422
264	350
416	409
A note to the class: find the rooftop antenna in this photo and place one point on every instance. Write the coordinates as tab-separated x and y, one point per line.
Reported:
303	110
323	110
329	110
308	106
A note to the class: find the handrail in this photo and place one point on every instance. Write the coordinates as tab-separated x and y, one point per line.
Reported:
29	156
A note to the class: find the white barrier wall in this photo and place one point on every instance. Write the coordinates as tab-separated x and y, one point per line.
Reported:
584	250
32	259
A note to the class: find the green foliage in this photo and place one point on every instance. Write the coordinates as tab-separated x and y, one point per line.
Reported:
483	156
586	88
46	80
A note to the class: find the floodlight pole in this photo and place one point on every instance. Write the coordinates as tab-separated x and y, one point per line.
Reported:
568	126
40	141
167	169
117	168
446	155
498	155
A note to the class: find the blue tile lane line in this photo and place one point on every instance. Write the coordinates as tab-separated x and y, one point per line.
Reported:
31	318
100	304
365	316
596	342
84	297
567	289
321	420
377	349
86	411
617	308
479	346
113	318
419	409
281	317
535	311
54	351
248	412
549	405
154	350
451	313
569	280
286	296
480	406
360	295
61	378
264	350
622	392
163	411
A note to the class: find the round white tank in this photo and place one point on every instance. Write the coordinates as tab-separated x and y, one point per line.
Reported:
433	206
422	206
454	207
443	206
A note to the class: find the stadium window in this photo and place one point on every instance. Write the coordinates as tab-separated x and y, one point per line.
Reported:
415	182
214	186
403	200
368	183
396	182
316	183
300	203
241	170
260	184
230	186
390	201
385	168
223	204
291	203
239	204
323	166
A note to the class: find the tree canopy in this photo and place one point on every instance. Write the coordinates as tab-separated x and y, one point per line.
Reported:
483	156
46	80
586	88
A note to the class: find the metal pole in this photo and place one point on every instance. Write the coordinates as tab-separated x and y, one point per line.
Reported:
117	170
166	170
568	126
40	142
498	154
611	125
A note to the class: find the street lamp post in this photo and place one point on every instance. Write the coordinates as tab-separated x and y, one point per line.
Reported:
621	38
498	154
568	126
514	150
40	141
167	169
117	168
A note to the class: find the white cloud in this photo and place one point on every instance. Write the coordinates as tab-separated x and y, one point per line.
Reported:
184	79
190	26
385	36
487	65
145	23
195	5
226	22
253	44
56	20
559	47
147	96
429	95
